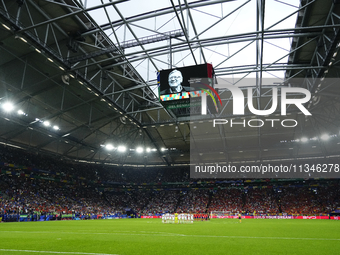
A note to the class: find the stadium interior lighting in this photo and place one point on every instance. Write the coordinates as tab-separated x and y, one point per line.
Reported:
7	27
37	50
304	139
49	59
139	149
46	123
22	39
109	147
148	149
325	137
121	148
20	112
8	107
163	149
55	127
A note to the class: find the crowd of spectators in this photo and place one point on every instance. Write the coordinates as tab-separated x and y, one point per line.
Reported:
106	190
227	200
300	201
261	201
163	201
194	201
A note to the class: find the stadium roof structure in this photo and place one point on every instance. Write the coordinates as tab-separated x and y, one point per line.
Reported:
80	77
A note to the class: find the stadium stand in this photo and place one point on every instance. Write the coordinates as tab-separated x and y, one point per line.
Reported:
34	187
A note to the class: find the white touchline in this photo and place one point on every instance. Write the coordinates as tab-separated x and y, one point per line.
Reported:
165	234
56	252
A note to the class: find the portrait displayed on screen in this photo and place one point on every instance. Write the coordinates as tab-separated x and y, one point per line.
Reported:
175	80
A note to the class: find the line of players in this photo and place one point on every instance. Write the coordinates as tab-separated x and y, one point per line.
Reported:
183	217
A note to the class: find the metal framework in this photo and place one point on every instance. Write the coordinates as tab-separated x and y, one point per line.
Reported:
107	69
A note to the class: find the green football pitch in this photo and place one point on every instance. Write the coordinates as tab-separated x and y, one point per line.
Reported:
151	236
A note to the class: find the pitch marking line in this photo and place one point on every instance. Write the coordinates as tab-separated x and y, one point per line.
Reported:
57	252
166	234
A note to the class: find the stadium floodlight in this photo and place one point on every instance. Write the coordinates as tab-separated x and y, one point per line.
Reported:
163	149
7	27
139	149
121	148
304	139
109	147
148	149
7	106
325	137
55	127
46	123
20	112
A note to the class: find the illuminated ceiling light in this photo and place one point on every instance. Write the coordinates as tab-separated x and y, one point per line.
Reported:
304	139
330	63
60	67
49	59
89	89
23	39
8	106
162	125
7	27
109	147
325	137
139	149
72	76
96	94
46	123
334	55
148	150
171	124
37	50
163	149
20	112
121	148
55	127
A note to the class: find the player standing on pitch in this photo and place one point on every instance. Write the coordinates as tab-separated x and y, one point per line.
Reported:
240	217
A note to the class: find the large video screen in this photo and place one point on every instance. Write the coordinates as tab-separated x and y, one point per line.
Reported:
177	84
